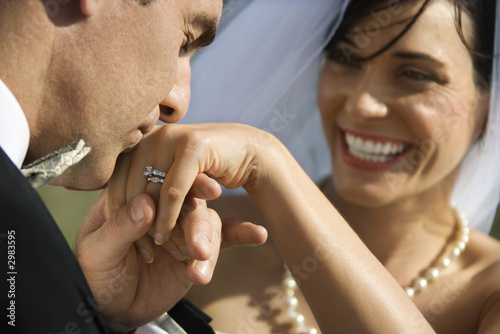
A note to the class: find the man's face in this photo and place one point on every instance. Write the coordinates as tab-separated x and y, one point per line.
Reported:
118	71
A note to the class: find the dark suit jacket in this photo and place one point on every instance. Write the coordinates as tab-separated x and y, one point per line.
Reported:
42	287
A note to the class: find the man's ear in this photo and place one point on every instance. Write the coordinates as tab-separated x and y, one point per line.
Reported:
89	7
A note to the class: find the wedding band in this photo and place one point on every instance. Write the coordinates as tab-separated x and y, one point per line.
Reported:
155	179
153	175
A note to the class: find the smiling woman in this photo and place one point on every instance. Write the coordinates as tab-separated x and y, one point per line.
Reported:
405	95
409	109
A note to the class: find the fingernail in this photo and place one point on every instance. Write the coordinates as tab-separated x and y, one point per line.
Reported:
203	242
177	255
136	210
184	250
203	267
159	239
146	255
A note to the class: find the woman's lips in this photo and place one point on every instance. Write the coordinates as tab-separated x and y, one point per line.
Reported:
371	152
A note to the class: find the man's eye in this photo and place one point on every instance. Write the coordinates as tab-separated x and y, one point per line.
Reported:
185	48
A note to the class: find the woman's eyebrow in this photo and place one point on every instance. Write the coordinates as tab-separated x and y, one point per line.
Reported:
418	56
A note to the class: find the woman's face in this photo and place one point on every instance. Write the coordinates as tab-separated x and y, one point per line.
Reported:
399	125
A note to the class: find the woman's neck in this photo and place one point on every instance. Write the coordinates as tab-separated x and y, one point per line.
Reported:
406	235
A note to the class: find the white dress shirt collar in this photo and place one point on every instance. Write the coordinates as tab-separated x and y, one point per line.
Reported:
14	130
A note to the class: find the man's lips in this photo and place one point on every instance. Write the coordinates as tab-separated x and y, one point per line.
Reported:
142	130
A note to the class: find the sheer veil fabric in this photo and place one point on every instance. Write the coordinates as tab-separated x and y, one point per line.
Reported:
263	69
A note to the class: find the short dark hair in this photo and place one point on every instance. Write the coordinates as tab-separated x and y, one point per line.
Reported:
481	12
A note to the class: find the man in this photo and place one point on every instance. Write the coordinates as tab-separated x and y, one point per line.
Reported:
98	74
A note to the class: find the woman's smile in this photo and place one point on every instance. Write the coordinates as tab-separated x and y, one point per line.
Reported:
371	152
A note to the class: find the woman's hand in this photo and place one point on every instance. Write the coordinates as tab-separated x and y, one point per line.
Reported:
229	153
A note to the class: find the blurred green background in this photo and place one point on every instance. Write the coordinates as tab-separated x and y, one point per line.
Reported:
69	208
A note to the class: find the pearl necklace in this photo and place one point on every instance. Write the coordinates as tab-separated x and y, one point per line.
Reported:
458	246
418	284
291	302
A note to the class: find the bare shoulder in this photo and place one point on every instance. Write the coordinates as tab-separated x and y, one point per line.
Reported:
484	256
483	251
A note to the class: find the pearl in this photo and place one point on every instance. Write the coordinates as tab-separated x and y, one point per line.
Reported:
421	283
410	292
299	319
290	283
432	273
446	262
292	302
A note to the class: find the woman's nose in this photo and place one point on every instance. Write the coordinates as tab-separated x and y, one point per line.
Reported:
367	101
175	106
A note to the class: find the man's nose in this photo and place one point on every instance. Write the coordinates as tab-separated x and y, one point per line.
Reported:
175	106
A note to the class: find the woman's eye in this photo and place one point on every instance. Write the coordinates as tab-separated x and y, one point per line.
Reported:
343	60
418	75
339	59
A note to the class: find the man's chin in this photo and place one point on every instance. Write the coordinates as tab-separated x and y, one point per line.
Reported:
82	184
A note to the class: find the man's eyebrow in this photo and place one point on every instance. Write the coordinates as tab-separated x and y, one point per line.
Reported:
208	26
418	56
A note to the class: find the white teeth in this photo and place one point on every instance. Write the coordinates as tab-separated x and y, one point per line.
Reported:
387	148
369	145
372	151
358	143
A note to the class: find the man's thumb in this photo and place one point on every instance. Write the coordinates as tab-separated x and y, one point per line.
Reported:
125	226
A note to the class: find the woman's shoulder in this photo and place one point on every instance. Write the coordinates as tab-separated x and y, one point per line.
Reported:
484	253
483	250
483	257
471	291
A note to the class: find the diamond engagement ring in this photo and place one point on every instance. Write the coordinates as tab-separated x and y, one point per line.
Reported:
154	175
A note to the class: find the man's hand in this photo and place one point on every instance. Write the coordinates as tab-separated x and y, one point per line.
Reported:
132	279
129	291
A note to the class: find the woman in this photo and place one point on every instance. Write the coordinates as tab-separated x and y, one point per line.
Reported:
400	109
415	100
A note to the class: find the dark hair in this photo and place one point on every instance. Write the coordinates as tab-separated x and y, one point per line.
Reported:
481	12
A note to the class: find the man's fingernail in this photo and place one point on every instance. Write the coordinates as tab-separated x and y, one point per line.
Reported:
177	255
203	267
203	242
146	255
159	239
184	250
136	210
